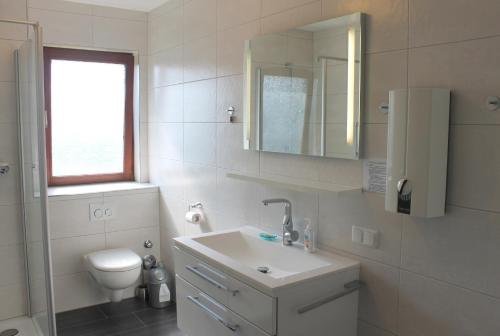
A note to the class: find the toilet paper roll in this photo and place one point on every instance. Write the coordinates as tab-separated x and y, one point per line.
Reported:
193	217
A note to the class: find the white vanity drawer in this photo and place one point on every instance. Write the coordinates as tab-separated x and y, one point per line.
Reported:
254	306
200	315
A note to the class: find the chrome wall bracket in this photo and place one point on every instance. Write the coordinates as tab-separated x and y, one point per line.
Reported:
4	168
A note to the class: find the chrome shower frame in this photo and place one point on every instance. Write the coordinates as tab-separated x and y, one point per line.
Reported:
41	121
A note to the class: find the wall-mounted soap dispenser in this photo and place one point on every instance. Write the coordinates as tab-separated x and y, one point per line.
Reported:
417	151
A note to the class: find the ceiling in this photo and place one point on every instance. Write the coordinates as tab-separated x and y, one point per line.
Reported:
139	5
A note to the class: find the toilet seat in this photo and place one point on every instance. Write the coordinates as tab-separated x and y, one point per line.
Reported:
115	260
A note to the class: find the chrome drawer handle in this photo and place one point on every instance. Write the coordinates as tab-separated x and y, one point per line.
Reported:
213	315
349	288
217	284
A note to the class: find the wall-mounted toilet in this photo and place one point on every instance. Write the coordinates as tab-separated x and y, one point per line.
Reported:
115	270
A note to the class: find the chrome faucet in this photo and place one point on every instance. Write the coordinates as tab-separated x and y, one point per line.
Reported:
289	234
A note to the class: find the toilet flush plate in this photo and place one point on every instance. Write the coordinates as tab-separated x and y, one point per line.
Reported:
101	211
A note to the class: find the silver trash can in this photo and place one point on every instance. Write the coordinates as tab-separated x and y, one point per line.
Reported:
158	292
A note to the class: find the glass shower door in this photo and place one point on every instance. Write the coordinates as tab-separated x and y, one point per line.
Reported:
31	114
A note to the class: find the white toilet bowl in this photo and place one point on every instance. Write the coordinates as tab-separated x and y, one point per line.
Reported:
115	270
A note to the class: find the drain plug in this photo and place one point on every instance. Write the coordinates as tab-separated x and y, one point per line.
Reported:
9	332
261	269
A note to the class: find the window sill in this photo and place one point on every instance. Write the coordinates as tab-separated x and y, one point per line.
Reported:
108	189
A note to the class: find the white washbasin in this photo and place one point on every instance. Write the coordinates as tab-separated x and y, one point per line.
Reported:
242	251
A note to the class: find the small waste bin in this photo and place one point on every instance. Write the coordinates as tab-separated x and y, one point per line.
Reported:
159	295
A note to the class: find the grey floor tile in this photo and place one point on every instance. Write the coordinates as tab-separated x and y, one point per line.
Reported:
79	316
163	329
126	306
107	327
154	316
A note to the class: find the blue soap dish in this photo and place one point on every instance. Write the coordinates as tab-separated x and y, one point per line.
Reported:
268	236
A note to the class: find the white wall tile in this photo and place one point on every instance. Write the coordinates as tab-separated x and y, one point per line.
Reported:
169	175
473	166
133	211
199	19
379	298
8	143
230	93
231	13
8	109
166	31
120	34
383	72
346	172
292	18
7	65
432	308
230	47
275	6
9	187
200	58
10	225
13	10
339	212
386	21
13	301
119	13
434	22
200	143
237	199
12	263
469	69
200	101
166	67
200	184
460	248
230	152
71	218
63	28
299	166
134	240
166	141
167	104
75	291
61	6
67	253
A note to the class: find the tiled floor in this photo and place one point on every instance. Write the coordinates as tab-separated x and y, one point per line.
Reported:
127	318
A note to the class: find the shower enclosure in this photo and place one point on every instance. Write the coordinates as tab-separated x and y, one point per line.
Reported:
33	179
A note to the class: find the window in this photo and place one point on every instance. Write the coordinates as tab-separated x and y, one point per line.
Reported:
89	103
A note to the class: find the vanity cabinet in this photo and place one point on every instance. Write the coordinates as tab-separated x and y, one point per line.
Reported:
211	302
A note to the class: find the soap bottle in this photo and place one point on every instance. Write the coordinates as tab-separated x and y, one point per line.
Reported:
309	237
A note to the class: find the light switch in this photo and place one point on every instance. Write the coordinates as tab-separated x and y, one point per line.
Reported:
364	236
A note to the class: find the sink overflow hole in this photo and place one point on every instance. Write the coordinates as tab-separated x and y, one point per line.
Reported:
9	332
263	269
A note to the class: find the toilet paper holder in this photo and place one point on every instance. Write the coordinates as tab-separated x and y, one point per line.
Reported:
196	205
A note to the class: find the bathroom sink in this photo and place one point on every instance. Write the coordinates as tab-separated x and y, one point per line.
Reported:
242	252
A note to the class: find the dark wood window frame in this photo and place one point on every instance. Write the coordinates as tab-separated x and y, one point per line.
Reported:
102	57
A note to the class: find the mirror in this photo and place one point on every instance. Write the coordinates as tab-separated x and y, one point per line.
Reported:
303	89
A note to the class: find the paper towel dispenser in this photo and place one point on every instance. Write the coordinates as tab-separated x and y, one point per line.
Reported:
417	151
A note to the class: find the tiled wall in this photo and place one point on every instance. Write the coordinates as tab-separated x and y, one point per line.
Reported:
74	235
12	284
69	25
429	277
